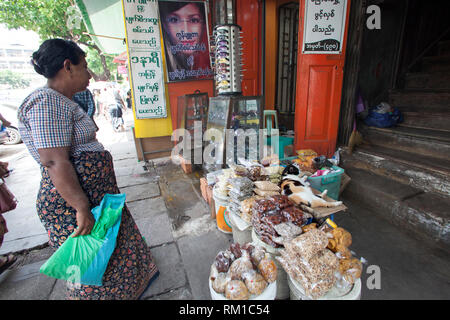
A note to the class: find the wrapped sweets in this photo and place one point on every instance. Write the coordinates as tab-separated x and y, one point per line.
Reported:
315	284
242	271
274	173
246	208
316	276
322	265
273	211
240	188
308	244
266	188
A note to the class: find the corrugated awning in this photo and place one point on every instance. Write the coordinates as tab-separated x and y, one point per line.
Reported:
105	24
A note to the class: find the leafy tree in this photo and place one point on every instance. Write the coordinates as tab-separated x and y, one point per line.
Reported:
48	18
13	80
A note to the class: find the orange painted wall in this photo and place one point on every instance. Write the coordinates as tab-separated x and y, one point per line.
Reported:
177	89
248	14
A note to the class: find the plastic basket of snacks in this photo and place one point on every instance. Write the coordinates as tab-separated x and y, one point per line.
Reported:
243	272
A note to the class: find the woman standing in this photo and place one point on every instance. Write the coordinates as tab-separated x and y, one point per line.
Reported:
77	172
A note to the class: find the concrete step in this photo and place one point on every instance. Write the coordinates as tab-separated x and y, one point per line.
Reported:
436	63
430	80
424	215
427	119
425	99
426	173
444	47
425	142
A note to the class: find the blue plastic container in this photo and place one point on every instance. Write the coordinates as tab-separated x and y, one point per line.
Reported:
331	182
283	142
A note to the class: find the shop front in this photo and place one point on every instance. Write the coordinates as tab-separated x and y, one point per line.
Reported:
217	69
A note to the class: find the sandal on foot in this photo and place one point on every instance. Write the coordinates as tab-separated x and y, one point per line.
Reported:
10	259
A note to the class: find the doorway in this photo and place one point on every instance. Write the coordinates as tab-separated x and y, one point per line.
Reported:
288	22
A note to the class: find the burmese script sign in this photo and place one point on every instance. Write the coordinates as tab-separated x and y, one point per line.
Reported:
144	58
324	26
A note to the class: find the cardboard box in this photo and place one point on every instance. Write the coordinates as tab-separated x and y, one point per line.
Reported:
322	212
186	165
212	208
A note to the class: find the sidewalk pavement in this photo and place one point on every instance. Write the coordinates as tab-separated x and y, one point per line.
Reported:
183	245
175	221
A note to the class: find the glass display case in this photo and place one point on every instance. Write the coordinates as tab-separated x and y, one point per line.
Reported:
239	113
192	114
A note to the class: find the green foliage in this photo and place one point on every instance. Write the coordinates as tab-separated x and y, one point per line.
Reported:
48	18
95	64
13	80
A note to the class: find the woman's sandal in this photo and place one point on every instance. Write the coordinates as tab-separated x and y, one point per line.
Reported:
10	260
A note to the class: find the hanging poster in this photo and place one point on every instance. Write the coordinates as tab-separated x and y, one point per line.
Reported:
324	26
184	27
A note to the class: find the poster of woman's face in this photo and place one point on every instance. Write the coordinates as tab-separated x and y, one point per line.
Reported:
185	34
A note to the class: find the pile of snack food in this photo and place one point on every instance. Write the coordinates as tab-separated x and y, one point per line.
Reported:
275	219
254	172
319	259
246	208
339	241
240	188
274	173
266	188
305	159
222	186
242	272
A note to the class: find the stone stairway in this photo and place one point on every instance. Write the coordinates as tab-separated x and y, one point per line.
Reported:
403	172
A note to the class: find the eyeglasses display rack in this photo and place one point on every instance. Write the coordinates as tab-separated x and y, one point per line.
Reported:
230	109
227	61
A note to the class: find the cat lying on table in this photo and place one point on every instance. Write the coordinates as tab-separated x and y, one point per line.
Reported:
298	191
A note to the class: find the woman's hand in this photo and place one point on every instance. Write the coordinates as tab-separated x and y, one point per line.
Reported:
85	222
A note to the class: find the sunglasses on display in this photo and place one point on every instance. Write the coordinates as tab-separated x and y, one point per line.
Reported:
224	60
221	77
222	43
221	31
222	54
221	38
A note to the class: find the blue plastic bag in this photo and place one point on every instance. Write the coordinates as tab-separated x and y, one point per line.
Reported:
382	118
84	259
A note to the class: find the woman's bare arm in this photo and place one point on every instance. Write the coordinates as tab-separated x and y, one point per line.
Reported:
65	179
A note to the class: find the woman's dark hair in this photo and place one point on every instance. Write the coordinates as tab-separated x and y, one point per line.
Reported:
166	8
50	56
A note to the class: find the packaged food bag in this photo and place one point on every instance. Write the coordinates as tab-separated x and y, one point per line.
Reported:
84	259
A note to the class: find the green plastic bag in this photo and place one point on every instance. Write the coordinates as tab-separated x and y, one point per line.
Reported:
84	259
